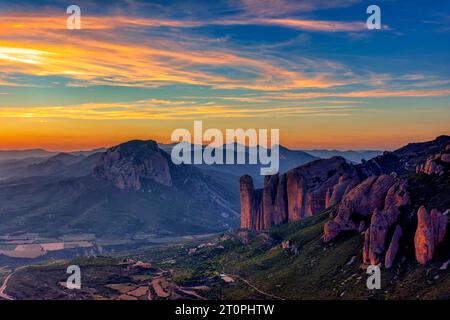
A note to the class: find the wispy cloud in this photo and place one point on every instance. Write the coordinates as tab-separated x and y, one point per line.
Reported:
39	46
156	109
366	94
311	25
270	8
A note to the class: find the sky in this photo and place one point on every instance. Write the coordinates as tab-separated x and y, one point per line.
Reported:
141	69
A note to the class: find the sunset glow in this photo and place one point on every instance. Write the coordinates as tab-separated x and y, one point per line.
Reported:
145	70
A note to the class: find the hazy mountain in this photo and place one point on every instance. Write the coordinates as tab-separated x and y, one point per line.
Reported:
62	164
288	159
22	154
355	156
41	153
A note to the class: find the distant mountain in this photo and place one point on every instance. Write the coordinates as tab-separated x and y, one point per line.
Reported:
131	188
288	159
62	164
22	154
403	160
351	155
40	153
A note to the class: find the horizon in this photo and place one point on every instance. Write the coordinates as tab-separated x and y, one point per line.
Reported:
170	143
309	68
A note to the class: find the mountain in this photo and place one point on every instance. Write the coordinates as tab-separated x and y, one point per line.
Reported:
40	153
130	188
288	159
22	154
61	164
355	156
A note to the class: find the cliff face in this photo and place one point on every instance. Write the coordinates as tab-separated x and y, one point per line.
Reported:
129	164
300	193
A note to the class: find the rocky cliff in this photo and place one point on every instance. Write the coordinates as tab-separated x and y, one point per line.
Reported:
370	198
300	193
128	165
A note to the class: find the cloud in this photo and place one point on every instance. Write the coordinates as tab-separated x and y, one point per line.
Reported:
156	109
309	25
282	7
41	47
367	94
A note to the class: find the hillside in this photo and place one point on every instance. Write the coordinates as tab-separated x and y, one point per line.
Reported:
308	269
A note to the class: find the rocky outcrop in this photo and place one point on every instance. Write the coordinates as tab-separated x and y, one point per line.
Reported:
300	193
247	201
430	232
378	199
391	253
317	186
438	164
263	208
377	192
431	166
375	238
129	164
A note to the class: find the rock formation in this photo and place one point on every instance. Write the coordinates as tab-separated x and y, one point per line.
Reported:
430	232
391	253
300	193
317	186
377	192
375	238
369	201
263	208
129	164
380	199
437	164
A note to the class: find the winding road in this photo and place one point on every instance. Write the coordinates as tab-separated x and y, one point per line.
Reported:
3	288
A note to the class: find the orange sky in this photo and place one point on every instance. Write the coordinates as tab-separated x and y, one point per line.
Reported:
126	77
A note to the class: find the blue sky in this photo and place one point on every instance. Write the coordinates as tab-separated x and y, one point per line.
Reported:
139	69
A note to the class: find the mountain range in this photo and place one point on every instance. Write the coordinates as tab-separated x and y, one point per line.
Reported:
135	188
356	156
128	189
